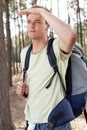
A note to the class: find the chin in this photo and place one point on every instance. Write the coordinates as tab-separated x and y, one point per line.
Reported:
33	38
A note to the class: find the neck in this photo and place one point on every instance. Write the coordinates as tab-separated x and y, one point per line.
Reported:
39	45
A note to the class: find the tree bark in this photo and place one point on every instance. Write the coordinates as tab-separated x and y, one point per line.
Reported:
9	44
5	113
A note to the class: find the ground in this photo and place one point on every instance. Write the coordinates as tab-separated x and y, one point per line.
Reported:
18	104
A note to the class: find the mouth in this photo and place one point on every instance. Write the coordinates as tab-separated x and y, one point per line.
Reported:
32	31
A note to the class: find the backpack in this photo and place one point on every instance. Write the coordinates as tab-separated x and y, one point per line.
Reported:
74	102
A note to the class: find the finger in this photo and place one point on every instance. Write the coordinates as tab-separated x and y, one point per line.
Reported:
24	12
18	90
19	93
24	85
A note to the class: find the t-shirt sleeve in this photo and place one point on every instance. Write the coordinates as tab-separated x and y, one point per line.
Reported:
23	55
58	52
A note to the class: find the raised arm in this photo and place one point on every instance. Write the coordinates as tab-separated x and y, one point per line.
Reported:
66	35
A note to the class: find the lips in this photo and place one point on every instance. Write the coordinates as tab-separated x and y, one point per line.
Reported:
32	31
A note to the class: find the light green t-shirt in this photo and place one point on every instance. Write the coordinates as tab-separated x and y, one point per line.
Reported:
41	101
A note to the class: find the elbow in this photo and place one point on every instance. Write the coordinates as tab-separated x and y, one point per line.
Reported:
72	39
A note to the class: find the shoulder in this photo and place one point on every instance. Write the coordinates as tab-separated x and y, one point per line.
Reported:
23	54
24	50
58	52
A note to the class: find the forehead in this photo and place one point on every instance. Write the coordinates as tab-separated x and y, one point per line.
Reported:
35	17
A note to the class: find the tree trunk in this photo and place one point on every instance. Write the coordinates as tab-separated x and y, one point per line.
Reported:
9	44
5	113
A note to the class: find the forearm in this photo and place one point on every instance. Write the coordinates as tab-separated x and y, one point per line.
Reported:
64	32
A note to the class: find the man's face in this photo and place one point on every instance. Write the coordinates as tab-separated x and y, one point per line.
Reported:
37	26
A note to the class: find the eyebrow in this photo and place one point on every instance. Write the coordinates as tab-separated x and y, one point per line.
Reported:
37	20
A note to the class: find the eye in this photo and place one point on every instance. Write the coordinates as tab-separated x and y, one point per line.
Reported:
28	21
37	21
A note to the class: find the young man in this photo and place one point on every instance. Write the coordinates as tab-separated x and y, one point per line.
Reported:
41	101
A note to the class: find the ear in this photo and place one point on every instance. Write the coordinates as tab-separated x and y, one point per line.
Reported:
47	26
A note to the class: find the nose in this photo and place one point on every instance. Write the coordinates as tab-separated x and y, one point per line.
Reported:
31	24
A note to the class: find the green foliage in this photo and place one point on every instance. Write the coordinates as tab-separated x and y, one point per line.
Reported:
84	59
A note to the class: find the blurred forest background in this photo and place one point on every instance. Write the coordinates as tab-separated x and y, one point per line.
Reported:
14	37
